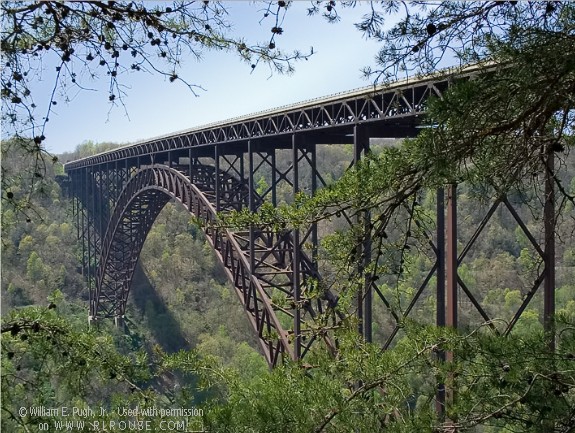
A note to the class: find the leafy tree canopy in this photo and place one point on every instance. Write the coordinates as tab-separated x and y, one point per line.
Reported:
501	128
88	41
49	361
511	121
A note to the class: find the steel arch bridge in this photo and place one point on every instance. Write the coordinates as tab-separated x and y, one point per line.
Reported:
118	194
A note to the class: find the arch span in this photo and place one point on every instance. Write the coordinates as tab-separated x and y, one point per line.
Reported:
258	270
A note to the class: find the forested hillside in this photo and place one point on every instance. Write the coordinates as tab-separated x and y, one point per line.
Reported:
180	297
182	300
187	355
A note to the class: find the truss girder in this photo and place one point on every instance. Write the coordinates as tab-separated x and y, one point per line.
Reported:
389	103
255	278
263	264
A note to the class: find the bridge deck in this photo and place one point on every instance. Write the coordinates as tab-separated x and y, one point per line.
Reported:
275	270
395	108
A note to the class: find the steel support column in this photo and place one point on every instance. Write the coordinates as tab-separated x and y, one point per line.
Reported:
314	176
217	180
368	301
251	203
440	289
190	169
242	173
363	248
99	198
80	176
451	265
451	256
549	252
296	255
274	185
89	214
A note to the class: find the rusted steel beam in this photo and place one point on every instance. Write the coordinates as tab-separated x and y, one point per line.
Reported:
451	257
296	280
440	288
549	256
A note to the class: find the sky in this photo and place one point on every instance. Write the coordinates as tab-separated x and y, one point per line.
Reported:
155	107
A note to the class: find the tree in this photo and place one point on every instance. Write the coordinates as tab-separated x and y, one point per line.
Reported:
512	117
500	385
35	268
507	123
501	131
57	362
95	40
427	35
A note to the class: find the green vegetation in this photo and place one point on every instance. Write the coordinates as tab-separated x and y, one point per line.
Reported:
499	383
187	304
181	301
502	135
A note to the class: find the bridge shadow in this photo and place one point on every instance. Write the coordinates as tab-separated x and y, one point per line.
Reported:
159	319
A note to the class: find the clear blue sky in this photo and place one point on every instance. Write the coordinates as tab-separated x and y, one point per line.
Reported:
156	106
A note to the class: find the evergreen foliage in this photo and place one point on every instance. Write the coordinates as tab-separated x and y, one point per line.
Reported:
496	135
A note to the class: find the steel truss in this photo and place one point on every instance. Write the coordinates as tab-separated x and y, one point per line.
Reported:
448	258
264	264
233	166
397	106
260	263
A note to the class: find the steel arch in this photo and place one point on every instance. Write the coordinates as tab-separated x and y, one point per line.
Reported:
138	205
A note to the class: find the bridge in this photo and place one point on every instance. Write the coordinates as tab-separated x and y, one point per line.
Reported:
118	194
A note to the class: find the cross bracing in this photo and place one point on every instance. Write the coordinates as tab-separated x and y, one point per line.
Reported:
215	168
